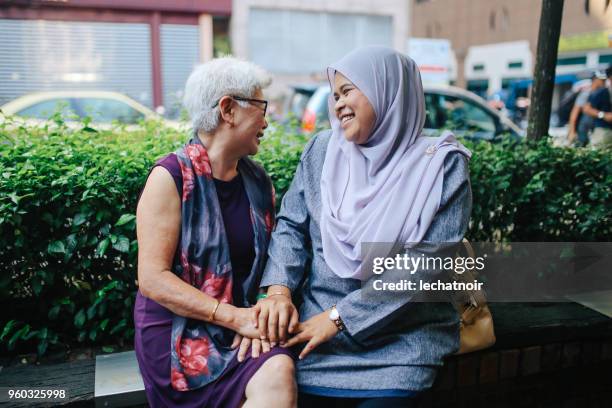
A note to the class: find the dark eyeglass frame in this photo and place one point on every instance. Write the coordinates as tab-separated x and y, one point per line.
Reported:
252	100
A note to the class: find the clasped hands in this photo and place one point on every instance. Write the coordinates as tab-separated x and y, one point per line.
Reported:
275	320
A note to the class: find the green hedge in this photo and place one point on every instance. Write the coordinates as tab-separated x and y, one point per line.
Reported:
67	230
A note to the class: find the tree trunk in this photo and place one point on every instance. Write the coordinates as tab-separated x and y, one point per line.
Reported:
544	75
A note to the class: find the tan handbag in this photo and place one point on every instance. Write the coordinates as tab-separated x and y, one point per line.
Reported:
476	321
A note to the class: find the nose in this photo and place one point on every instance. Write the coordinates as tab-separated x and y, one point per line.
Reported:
339	105
265	123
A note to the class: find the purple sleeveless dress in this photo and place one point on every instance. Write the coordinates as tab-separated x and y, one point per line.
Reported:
153	322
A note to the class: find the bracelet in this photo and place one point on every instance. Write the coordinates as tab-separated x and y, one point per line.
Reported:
279	293
212	315
261	296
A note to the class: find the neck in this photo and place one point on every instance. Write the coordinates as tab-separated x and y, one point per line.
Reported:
223	161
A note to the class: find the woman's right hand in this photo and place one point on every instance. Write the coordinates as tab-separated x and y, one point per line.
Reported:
242	320
277	317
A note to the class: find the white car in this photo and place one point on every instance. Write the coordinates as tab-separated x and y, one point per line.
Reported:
448	107
103	107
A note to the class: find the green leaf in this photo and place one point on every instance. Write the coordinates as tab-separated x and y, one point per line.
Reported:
17	335
36	285
91	311
102	246
79	319
79	219
31	334
122	244
118	327
53	312
42	347
56	247
124	219
108	349
7	328
103	324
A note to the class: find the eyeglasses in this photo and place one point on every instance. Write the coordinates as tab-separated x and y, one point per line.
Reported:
251	100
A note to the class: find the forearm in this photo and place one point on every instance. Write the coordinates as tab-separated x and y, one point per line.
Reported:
589	110
574	118
182	299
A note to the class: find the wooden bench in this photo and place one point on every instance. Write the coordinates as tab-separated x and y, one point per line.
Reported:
542	349
118	381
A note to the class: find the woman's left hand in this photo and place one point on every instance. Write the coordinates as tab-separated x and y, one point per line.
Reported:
257	346
316	330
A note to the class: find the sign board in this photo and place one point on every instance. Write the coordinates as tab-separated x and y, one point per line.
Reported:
434	58
585	41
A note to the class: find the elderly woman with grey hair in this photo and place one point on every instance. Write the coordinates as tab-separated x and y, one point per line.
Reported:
204	221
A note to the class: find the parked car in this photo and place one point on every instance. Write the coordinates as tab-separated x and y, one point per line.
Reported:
448	107
103	107
296	102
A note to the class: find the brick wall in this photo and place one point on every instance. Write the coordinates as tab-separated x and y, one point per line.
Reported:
560	374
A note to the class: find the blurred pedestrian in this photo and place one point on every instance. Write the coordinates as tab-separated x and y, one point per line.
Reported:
599	106
580	124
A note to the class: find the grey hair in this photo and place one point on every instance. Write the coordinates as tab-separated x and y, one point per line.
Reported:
212	80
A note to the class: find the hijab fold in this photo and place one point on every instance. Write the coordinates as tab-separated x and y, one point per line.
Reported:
388	189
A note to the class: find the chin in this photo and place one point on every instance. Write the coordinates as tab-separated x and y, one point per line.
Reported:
350	136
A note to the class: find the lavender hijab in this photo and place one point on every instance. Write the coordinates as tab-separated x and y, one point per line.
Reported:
388	189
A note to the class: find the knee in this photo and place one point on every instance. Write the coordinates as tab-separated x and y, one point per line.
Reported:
281	370
283	365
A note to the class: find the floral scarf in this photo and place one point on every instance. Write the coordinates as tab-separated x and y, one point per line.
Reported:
200	351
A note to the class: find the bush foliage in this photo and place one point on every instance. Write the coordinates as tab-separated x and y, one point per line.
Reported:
67	223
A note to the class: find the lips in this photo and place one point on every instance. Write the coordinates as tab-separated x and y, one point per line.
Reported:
346	118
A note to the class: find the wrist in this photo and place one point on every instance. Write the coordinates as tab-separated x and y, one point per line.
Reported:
278	290
334	318
225	315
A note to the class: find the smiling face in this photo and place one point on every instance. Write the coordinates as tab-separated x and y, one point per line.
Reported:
353	110
250	124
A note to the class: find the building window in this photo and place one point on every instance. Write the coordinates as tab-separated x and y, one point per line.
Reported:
505	19
506	82
478	86
605	59
298	42
571	61
478	67
515	64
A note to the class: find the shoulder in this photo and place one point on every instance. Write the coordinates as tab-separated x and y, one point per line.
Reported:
169	161
582	98
598	95
317	146
171	164
456	162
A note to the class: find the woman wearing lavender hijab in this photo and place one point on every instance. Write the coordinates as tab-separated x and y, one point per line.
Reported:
372	178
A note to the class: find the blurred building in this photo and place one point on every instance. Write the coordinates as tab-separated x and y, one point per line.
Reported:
296	40
145	49
495	41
